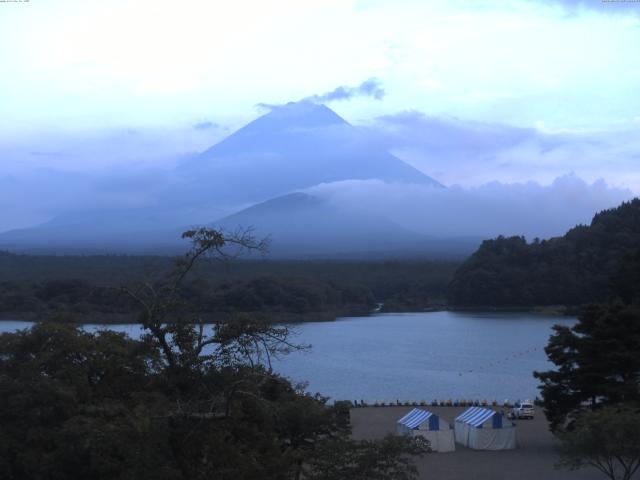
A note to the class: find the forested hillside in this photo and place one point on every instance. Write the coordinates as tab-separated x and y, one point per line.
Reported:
571	270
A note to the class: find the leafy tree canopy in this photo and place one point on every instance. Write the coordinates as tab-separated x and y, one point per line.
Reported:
183	402
607	439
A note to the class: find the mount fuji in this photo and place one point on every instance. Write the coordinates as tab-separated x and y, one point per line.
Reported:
293	147
289	149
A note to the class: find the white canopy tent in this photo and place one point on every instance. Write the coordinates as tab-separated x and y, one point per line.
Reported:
485	429
428	425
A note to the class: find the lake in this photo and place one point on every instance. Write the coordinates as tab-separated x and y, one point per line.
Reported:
415	356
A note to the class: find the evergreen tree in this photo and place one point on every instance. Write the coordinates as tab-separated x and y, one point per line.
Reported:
598	362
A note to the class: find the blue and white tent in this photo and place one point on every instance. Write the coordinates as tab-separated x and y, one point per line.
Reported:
428	425
485	429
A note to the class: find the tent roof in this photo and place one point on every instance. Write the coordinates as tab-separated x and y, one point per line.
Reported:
476	416
415	418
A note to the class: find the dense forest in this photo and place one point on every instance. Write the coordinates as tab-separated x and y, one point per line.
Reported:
91	287
571	270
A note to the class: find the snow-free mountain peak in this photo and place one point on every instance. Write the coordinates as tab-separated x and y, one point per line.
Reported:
293	147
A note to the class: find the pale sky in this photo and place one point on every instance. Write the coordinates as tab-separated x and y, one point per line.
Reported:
474	90
79	64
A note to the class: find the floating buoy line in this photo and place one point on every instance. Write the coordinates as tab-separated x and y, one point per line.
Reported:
502	361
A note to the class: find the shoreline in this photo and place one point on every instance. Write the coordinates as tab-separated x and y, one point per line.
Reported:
558	310
100	318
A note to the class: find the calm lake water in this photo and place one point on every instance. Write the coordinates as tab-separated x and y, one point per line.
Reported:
415	356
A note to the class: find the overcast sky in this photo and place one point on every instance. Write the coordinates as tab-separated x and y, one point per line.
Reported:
469	91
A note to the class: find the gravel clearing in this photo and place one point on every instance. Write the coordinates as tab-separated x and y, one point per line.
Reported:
534	459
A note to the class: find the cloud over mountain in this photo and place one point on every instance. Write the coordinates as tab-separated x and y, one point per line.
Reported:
306	147
369	88
470	152
495	208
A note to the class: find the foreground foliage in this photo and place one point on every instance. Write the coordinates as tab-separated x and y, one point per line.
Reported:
607	439
185	401
366	460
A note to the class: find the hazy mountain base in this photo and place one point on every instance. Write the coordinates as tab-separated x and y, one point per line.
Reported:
300	225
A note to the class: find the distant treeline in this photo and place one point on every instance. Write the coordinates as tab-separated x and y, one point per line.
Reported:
572	270
89	287
575	269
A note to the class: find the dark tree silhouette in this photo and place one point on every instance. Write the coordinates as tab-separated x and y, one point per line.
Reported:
186	401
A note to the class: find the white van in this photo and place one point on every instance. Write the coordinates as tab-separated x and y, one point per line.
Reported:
523	410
